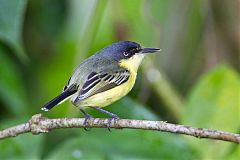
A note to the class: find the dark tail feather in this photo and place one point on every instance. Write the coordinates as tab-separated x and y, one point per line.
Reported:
58	99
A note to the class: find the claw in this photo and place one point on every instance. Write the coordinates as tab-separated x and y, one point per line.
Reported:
114	117
87	117
85	122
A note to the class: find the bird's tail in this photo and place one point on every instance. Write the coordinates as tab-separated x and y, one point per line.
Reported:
60	98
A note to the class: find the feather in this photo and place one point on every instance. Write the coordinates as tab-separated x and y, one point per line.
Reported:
100	82
60	98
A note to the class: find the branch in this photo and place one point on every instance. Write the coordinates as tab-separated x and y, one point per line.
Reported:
39	124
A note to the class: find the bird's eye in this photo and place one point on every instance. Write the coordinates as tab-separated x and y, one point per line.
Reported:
125	54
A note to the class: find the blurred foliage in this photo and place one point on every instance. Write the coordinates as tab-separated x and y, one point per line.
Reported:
11	20
214	107
193	81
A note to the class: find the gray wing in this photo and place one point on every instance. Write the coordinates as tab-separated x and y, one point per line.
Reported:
92	64
98	82
95	75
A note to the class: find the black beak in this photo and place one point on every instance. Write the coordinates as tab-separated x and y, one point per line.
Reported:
150	50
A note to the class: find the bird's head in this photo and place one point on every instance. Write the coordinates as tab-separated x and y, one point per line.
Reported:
128	54
125	50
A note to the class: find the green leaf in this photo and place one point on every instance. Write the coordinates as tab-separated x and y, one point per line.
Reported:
11	21
126	144
12	92
235	155
24	146
214	103
128	108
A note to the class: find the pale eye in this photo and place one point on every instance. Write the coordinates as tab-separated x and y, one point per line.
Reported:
125	54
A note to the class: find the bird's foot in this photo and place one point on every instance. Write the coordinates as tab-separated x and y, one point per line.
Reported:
85	122
87	117
113	117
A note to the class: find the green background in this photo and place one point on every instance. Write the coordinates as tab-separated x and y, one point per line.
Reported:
193	81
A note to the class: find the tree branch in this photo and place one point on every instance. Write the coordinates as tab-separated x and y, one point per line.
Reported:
39	124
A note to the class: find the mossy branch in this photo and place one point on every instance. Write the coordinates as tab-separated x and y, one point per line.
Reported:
39	124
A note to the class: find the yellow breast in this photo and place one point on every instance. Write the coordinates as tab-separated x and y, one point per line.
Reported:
106	98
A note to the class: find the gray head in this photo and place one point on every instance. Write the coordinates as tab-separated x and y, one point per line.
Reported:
124	50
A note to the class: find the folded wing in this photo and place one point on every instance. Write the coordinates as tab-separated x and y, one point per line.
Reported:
102	81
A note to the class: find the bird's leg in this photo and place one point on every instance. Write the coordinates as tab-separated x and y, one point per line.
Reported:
87	117
112	115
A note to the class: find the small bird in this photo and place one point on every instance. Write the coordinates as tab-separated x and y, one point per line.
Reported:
103	78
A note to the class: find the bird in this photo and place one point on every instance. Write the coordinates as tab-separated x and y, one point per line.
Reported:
103	78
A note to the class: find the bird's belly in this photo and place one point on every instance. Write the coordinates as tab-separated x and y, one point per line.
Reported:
108	97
